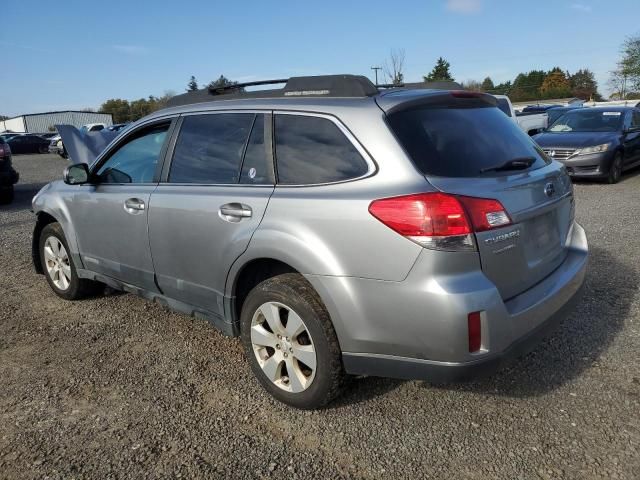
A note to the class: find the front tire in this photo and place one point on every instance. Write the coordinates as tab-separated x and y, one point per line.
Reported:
615	170
290	342
58	266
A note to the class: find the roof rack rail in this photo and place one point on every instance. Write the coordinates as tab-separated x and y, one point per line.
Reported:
236	86
313	86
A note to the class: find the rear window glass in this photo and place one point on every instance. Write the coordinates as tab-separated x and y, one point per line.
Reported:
313	150
460	142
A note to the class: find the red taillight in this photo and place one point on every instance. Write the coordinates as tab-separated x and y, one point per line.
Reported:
4	150
485	213
439	220
475	332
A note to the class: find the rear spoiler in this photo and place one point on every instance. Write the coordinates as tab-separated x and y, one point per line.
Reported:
434	98
84	147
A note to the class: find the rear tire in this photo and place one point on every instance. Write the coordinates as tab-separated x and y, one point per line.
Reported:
615	170
290	342
58	266
6	195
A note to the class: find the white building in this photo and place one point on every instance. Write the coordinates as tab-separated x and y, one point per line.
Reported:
43	122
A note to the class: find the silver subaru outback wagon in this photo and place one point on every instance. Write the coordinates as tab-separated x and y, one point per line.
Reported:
337	229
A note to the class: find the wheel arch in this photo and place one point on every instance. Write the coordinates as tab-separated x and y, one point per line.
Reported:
249	274
42	220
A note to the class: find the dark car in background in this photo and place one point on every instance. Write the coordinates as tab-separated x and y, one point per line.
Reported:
8	135
539	108
597	142
28	144
117	127
47	136
8	176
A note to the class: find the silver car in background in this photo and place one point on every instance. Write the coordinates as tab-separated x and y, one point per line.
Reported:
338	229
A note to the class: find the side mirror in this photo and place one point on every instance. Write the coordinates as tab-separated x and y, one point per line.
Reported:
76	174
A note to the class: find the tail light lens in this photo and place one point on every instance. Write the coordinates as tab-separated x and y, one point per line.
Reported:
5	150
438	220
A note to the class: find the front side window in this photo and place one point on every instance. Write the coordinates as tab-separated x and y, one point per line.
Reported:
210	148
136	160
635	120
313	150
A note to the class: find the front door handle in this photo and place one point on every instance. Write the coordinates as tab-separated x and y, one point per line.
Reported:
234	212
134	205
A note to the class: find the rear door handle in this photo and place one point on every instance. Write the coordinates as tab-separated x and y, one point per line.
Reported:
134	205
234	212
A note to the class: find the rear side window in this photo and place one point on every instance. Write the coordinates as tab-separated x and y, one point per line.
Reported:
460	142
313	150
256	167
209	148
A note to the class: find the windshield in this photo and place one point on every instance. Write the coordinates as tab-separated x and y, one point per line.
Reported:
463	142
588	120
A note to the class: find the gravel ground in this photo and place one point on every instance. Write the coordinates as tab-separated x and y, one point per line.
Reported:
117	387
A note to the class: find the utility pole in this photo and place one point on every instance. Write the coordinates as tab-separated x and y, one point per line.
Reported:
376	70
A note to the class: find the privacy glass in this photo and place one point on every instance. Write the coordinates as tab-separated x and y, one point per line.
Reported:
256	168
312	150
135	161
460	142
209	148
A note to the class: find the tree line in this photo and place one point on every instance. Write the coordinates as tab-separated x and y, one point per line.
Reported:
124	111
527	86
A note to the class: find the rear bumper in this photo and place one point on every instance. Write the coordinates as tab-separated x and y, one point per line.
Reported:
417	329
446	372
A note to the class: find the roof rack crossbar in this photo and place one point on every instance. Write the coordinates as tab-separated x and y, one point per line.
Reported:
235	86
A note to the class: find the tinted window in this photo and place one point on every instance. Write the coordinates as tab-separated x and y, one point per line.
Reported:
210	147
136	160
311	150
635	121
256	168
459	142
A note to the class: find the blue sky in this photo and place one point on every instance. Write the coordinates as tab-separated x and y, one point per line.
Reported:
76	54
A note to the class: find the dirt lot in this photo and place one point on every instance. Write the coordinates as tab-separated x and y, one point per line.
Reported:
116	387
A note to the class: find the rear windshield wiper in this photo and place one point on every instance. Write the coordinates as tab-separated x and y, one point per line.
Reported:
519	163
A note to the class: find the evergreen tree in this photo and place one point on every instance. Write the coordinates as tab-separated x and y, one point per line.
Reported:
192	86
487	85
584	85
440	72
555	84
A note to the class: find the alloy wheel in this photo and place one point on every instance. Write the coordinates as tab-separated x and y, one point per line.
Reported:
57	263
283	347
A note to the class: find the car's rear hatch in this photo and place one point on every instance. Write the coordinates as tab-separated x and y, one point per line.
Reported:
455	140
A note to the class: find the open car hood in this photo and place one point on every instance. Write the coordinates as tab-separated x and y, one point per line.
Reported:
84	147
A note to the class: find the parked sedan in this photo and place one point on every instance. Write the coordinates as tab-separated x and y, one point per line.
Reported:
28	144
8	175
595	142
